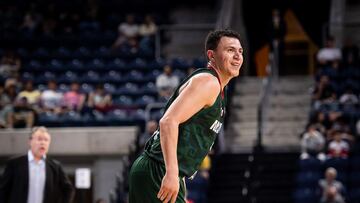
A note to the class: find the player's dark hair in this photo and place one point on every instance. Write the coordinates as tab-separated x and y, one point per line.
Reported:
213	38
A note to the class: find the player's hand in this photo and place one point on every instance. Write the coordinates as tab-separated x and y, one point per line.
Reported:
169	188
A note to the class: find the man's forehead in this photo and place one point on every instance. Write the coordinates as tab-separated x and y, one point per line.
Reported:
230	42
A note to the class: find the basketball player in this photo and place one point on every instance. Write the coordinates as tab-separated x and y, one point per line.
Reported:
193	117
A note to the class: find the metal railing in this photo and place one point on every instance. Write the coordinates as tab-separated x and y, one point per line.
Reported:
264	103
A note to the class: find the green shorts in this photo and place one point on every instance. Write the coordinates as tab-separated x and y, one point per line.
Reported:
145	180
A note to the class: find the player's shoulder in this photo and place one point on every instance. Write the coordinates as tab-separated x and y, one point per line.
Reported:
206	79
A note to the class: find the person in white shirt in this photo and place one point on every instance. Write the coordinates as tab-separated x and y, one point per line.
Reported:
166	82
329	53
35	178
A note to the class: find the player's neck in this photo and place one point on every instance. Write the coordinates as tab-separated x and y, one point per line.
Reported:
224	79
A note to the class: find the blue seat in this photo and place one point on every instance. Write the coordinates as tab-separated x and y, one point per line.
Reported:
45	77
305	195
75	65
180	63
135	75
144	100
138	63
113	76
339	164
64	88
33	65
62	52
86	88
355	163
49	119
308	179
109	88
149	88
68	77
71	118
157	64
139	114
41	53
95	64
102	51
123	101
152	75
310	164
116	64
91	77
82	52
128	88
27	76
56	65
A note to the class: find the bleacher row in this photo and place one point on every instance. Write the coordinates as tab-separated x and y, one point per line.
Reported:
131	82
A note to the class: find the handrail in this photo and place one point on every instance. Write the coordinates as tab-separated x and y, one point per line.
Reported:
265	93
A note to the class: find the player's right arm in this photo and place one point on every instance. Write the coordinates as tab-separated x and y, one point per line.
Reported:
200	92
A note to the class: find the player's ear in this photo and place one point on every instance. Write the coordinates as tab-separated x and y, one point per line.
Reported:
210	55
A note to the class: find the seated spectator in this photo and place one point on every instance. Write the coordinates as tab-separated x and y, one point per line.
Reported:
51	99
148	28
338	148
147	31
166	83
350	52
331	189
348	97
6	108
324	92
32	95
100	100
312	144
22	113
128	31
329	53
10	65
73	100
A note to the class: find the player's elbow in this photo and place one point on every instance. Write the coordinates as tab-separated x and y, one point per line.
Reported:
167	121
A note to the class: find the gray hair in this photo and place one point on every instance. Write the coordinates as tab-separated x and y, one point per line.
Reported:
37	128
331	170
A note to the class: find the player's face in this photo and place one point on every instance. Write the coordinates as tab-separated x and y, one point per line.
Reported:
229	56
39	144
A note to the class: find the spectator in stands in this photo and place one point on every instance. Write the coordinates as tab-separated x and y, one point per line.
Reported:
348	98
324	92
35	177
312	144
100	100
331	189
51	99
29	24
148	28
350	53
147	31
128	31
338	148
32	95
329	53
23	112
73	100
100	201
10	65
358	127
151	127
6	108
166	82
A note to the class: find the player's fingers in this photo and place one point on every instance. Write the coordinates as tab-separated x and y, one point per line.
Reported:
173	199
169	196
164	195
160	193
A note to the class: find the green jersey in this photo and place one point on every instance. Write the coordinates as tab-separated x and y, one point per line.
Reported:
196	135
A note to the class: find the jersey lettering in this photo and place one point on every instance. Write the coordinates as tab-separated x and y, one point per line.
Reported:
216	126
